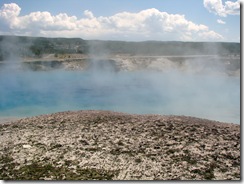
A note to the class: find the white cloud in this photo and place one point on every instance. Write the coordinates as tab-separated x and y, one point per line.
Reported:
221	21
210	35
10	10
88	14
9	15
217	7
149	24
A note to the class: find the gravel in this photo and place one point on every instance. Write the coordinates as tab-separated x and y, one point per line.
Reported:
104	145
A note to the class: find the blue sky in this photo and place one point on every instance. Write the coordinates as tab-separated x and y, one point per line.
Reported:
131	20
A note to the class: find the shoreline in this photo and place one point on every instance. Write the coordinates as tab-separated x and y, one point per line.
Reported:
4	120
126	62
13	119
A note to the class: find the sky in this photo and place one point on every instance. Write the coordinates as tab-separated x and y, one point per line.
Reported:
127	20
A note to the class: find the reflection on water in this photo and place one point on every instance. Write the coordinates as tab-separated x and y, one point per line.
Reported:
29	93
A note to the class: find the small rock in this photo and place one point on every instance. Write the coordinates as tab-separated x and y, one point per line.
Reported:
26	146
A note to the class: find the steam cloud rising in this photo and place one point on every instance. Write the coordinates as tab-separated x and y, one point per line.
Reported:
207	94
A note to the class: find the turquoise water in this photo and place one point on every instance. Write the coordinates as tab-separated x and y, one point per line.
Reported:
28	93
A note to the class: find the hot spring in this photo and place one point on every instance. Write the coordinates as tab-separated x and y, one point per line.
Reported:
28	93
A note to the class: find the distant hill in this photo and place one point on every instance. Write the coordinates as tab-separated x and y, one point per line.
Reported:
11	46
21	46
166	48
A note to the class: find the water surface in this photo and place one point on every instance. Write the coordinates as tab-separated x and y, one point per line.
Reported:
28	93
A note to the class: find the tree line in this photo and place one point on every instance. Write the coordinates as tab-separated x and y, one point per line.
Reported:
23	46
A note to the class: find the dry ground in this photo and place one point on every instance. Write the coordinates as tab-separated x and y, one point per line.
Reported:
104	145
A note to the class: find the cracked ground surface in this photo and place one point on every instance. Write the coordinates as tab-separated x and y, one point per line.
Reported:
103	145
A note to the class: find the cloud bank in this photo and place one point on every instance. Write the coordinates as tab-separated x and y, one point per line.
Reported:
217	7
149	24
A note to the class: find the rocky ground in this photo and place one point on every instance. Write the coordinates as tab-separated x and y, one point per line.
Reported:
86	145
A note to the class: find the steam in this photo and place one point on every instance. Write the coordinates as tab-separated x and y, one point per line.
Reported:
173	91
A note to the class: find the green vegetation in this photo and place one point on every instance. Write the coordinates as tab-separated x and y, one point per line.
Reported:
37	46
165	48
38	171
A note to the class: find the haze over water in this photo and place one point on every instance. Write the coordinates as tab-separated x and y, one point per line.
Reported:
28	93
